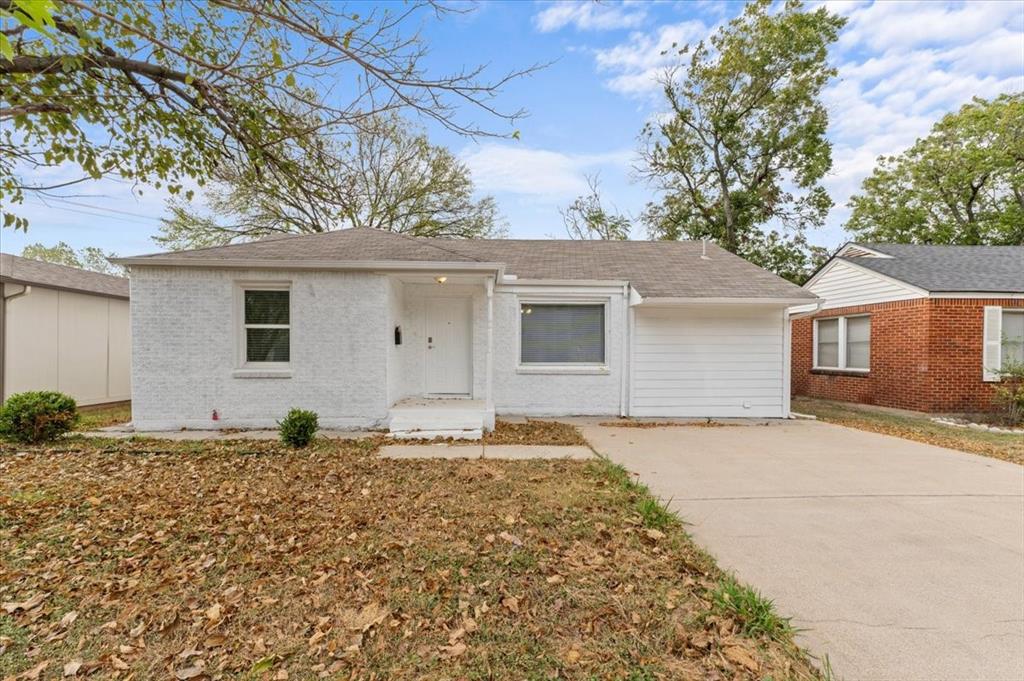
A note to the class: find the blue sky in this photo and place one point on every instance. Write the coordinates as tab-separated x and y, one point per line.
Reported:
902	65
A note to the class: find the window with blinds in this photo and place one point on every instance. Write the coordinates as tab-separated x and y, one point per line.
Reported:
843	343
1012	342
561	334
828	343
267	326
858	342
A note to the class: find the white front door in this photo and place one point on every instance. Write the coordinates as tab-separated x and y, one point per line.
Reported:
449	347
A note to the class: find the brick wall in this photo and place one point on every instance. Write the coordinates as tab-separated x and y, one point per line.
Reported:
925	356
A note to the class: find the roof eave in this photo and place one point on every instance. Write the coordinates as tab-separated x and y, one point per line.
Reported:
56	287
350	265
781	301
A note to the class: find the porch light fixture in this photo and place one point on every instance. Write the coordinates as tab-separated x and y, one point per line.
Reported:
441	279
527	310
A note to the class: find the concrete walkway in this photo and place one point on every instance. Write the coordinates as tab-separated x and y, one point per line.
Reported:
901	561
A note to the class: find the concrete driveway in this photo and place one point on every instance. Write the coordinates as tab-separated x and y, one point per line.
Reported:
900	560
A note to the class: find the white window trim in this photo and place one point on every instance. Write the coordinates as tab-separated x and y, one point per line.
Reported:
244	368
578	368
843	350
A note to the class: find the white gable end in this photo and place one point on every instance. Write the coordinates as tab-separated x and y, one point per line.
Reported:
842	284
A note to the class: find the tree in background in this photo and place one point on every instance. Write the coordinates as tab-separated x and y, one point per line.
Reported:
587	217
165	92
962	184
387	176
744	144
89	258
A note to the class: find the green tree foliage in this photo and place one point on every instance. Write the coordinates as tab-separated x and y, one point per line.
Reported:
588	218
89	258
387	176
164	92
743	144
962	184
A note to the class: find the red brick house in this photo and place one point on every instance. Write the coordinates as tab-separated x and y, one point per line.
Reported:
911	326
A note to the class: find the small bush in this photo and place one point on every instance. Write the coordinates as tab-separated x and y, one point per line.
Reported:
37	416
299	427
1010	393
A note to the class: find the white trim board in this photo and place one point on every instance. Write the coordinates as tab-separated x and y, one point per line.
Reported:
694	300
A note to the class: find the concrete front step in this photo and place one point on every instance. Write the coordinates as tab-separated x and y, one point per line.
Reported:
431	434
430	418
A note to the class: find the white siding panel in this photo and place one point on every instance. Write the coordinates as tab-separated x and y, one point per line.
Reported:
844	285
32	338
72	342
716	362
82	346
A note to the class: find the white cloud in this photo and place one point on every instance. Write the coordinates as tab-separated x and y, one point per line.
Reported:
637	64
906	25
546	175
586	15
902	66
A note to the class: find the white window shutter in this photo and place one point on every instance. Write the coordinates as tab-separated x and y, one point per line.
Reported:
991	360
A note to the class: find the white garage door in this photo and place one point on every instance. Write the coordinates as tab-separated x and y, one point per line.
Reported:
699	361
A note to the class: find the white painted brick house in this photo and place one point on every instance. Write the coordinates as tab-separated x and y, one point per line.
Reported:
373	329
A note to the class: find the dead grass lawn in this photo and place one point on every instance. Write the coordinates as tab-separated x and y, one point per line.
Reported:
149	559
534	433
1005	446
630	423
93	419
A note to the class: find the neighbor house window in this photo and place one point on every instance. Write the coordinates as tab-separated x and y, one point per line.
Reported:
843	343
1013	337
562	333
266	325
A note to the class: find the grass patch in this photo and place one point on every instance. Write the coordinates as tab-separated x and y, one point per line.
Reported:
94	419
653	512
246	559
1005	446
755	613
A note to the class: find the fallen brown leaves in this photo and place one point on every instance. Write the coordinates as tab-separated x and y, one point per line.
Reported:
529	432
151	559
630	423
534	433
1008	447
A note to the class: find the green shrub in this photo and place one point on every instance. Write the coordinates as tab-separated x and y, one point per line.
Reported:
1010	393
37	416
298	427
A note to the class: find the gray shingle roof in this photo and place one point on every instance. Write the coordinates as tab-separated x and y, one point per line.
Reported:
655	268
977	269
20	270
